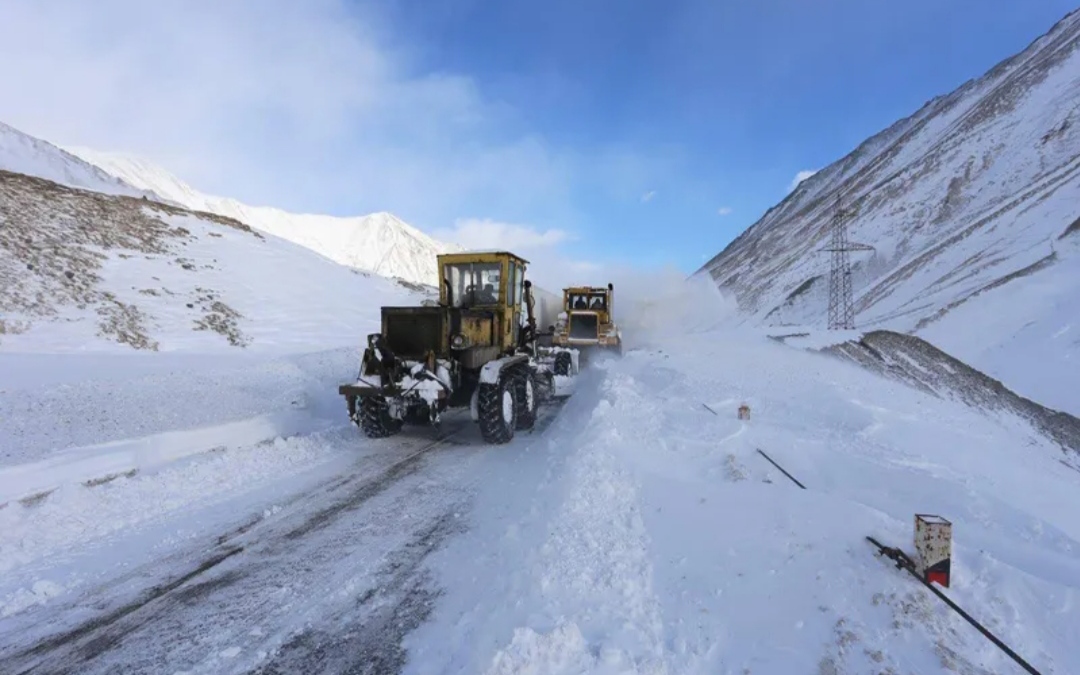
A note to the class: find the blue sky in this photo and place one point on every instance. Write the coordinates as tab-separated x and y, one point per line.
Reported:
540	126
737	96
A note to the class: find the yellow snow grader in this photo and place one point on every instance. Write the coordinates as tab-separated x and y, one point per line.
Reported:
476	347
586	321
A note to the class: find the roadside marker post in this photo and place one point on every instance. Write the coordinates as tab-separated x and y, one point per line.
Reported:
933	544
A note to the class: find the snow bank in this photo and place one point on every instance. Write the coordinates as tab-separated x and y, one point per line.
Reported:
111	413
645	534
123	458
813	338
76	514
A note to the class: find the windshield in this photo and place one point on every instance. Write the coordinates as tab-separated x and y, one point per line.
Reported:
472	284
594	301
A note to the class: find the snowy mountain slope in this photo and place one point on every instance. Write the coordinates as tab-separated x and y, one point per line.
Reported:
380	242
970	205
84	270
21	153
919	364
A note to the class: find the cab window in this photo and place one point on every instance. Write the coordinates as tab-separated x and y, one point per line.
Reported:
473	284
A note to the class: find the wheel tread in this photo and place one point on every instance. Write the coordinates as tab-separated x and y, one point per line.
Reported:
524	419
489	406
375	420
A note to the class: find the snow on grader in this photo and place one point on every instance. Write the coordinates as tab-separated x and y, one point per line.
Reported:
477	347
586	322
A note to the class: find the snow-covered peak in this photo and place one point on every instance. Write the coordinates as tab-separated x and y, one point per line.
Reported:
22	153
379	242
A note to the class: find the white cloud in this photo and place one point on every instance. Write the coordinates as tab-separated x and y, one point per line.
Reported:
476	233
310	106
725	211
556	259
648	196
800	177
553	261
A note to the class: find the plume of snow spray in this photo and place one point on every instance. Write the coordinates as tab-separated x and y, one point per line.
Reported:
650	307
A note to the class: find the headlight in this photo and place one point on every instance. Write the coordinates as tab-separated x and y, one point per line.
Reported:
459	341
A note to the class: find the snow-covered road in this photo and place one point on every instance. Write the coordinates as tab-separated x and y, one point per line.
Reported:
639	531
314	572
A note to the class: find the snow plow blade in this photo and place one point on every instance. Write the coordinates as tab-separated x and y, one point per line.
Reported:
361	390
389	391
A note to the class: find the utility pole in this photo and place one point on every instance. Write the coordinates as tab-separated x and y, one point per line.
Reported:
841	304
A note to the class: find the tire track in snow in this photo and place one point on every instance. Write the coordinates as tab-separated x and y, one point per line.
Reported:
400	601
77	648
333	584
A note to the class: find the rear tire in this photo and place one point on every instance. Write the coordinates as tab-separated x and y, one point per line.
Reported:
525	394
497	407
375	419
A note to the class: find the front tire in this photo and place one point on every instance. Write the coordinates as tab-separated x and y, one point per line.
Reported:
497	406
525	393
375	419
564	363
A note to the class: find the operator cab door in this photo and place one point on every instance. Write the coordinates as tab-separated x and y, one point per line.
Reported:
513	301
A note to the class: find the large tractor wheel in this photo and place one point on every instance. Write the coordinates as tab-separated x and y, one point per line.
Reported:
525	393
497	407
564	363
375	418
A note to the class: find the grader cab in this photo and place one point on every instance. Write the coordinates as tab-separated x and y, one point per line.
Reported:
587	322
477	348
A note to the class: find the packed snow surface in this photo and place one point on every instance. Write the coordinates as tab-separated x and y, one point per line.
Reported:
647	535
638	531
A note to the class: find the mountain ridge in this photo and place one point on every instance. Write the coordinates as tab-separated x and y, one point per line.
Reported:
379	242
969	204
86	271
22	153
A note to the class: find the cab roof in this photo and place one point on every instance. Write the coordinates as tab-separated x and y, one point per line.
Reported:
463	256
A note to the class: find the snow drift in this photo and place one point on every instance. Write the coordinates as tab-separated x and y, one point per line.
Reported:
646	535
